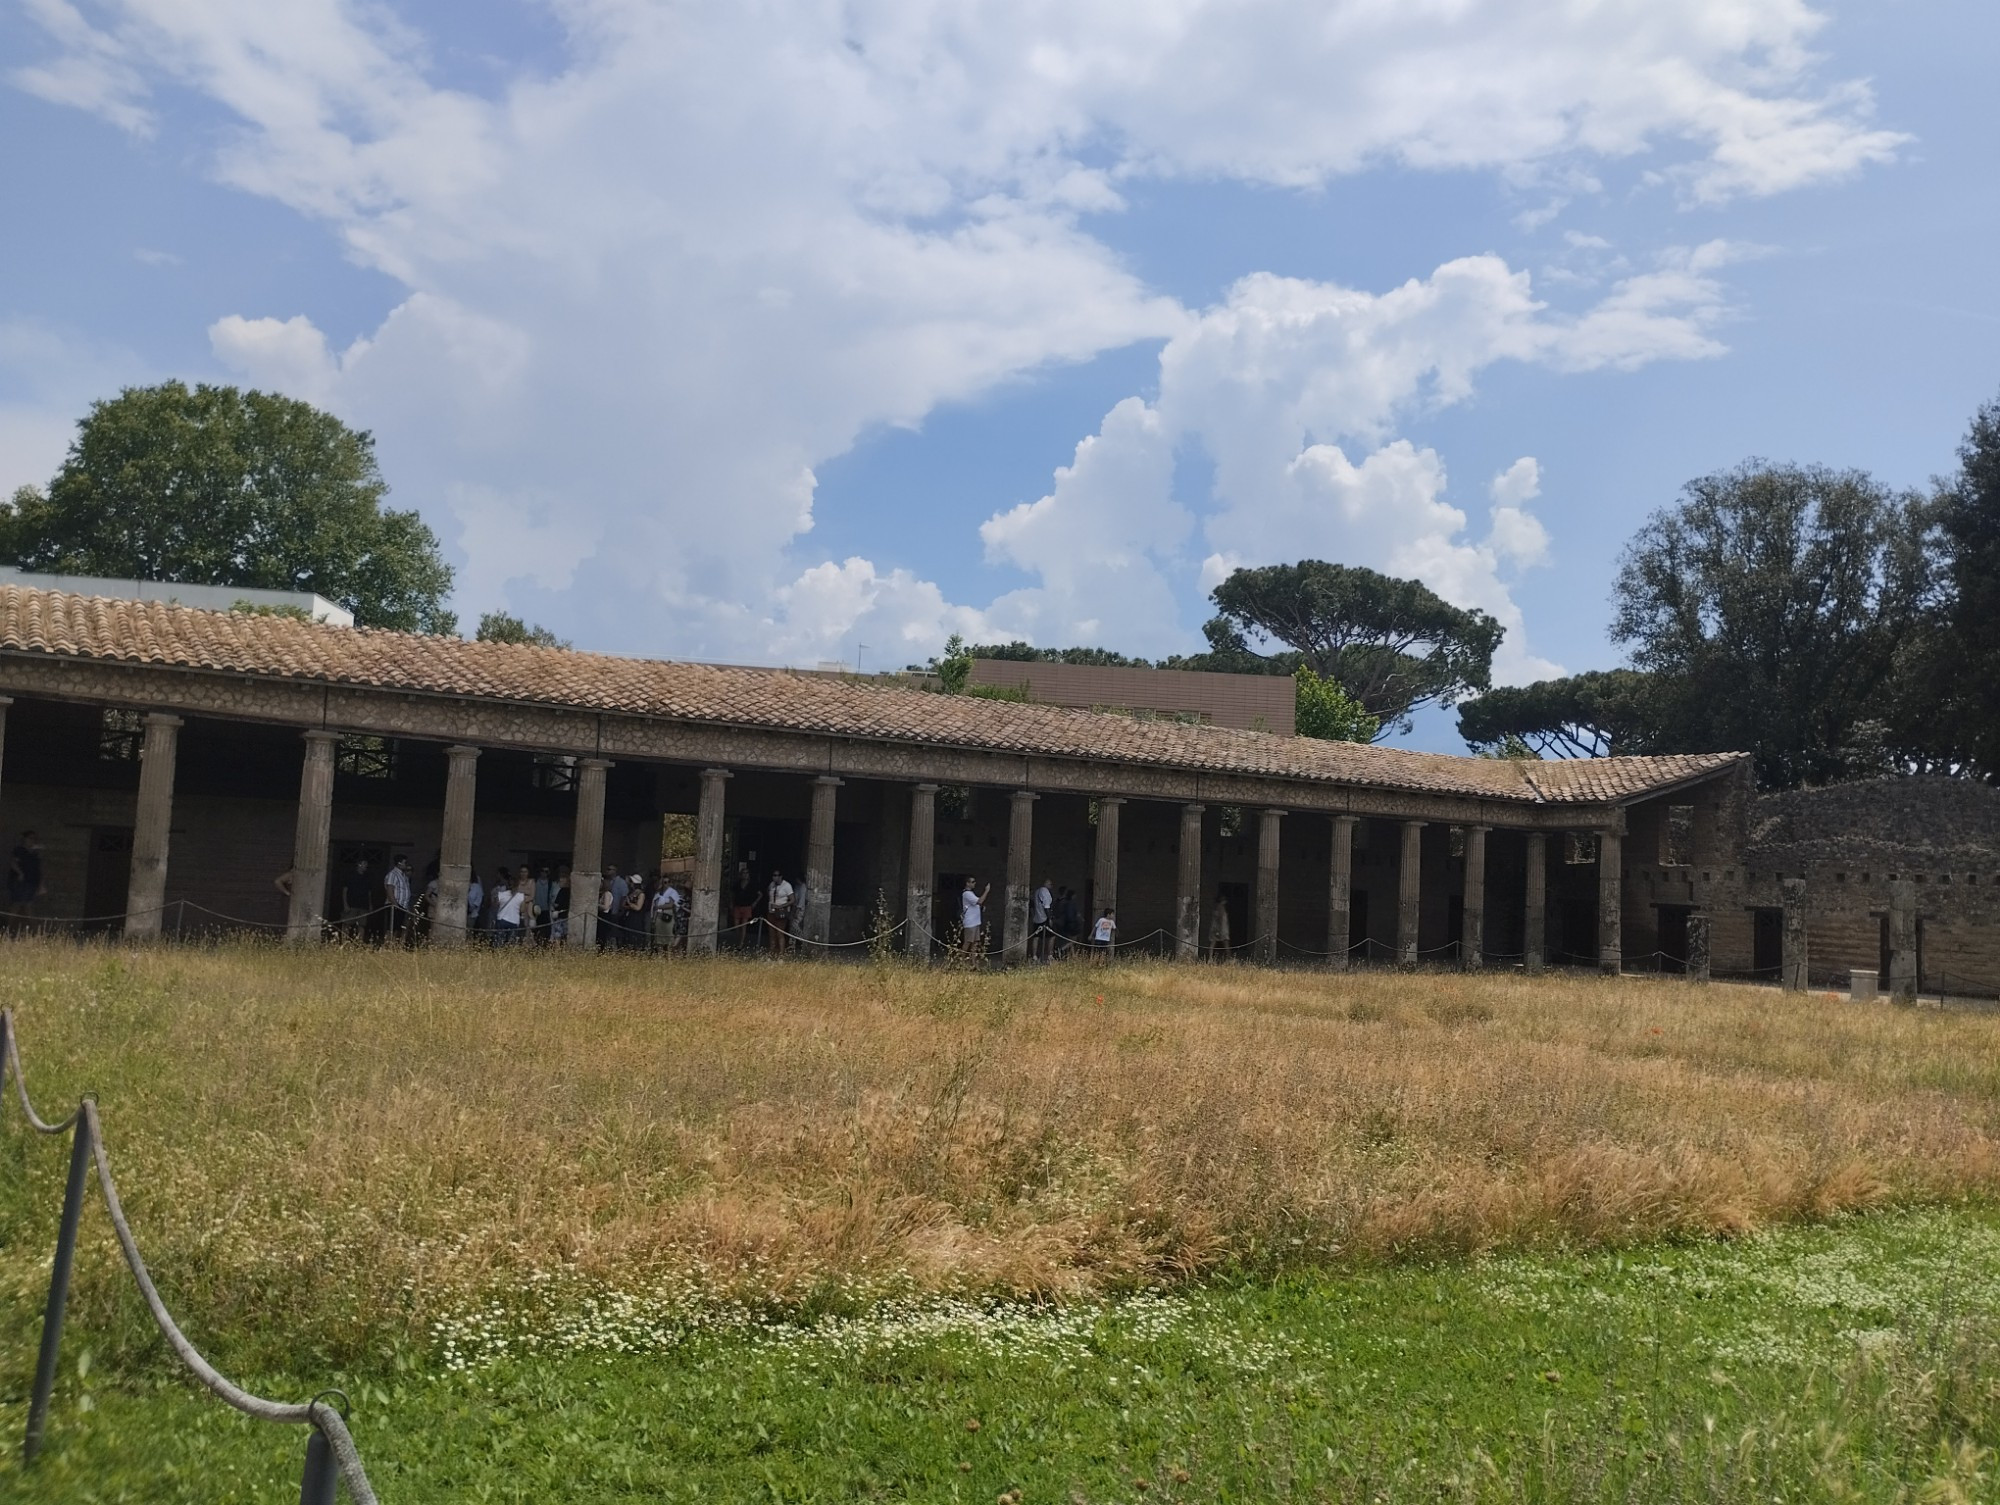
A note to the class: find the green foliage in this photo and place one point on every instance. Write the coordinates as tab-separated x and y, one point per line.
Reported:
954	666
1393	645
255	609
1015	693
1509	747
1956	667
1326	711
1027	653
503	627
217	486
1591	715
1770	606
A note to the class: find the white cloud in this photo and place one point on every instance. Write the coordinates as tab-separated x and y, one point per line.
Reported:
1519	482
651	288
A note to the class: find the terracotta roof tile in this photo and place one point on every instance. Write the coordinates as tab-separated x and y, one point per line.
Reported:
152	632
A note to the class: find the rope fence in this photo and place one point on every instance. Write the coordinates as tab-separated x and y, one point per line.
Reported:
331	1457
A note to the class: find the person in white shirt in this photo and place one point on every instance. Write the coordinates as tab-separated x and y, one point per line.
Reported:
972	917
666	913
778	911
397	885
1103	935
1040	910
508	902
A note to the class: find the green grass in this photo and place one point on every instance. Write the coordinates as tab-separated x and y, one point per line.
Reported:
1852	1361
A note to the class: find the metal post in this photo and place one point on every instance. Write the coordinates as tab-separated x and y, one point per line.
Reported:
52	1318
322	1475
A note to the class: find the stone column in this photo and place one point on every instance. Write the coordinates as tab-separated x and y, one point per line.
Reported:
1340	893
305	916
586	854
1535	927
1611	902
1472	942
1187	887
1104	866
146	895
1792	971
1264	923
819	859
705	913
1902	940
917	912
1021	876
455	849
1699	948
1409	893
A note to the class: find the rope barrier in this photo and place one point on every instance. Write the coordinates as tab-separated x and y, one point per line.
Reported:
328	1425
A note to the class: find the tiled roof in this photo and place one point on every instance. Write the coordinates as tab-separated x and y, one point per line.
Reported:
155	633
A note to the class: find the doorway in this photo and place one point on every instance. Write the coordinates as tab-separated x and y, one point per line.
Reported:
1673	941
1767	942
107	877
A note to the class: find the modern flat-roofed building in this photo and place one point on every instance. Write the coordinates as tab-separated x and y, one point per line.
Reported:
1250	702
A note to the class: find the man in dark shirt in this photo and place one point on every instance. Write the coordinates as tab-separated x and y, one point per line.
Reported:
744	898
357	896
24	873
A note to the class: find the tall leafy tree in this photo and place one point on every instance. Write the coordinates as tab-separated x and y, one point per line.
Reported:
505	627
1592	715
1392	645
1954	713
1770	607
218	486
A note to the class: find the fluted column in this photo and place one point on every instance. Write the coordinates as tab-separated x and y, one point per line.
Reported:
1187	887
455	848
1020	876
1472	943
1535	906
819	859
586	855
1340	892
1611	901
1410	893
1264	925
146	894
1104	867
917	913
305	917
705	913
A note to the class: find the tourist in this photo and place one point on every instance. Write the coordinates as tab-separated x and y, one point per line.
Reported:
559	908
778	911
397	883
1041	910
357	898
531	915
1218	929
634	916
475	902
607	914
24	873
509	903
666	914
743	898
972	917
545	893
1103	937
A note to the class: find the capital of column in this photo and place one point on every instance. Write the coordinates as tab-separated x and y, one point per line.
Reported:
1109	799
828	781
1419	824
717	774
1195	807
1028	796
1347	820
163	718
593	762
316	734
1271	812
5	701
925	788
1475	828
458	752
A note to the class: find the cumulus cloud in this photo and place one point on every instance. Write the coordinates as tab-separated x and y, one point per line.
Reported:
651	285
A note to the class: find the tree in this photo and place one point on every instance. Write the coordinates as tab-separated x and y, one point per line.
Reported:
1954	673
1322	709
1591	715
1393	645
216	486
503	627
1770	607
1019	652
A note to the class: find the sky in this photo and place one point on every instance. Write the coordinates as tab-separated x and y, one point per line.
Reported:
799	331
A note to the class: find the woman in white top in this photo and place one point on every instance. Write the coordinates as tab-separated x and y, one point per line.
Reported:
507	905
1103	934
972	917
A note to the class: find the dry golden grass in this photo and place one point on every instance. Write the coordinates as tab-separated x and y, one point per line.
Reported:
383	1138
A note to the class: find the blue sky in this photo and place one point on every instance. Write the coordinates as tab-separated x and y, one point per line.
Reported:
765	332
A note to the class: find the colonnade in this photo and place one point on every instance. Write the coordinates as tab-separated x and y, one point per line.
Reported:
306	918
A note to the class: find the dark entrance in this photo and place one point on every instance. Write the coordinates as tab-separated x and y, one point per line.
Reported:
107	876
1673	937
1236	900
1454	919
1359	946
1767	942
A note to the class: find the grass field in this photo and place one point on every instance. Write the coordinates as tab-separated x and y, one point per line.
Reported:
618	1230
